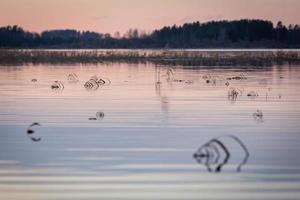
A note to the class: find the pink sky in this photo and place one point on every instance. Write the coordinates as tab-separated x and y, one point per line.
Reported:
120	15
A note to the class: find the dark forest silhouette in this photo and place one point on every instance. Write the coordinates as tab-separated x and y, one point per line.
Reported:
215	34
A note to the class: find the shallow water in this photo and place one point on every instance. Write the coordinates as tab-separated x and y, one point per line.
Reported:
143	147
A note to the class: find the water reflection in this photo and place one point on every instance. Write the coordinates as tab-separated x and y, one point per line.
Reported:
160	92
150	126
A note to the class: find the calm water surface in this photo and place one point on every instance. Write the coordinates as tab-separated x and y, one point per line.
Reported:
143	147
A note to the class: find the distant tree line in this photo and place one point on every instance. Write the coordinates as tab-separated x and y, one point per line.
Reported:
215	34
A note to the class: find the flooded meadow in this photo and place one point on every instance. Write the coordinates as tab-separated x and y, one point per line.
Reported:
149	130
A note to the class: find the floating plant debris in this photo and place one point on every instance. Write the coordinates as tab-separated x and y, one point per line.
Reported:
258	116
57	85
215	154
30	132
73	78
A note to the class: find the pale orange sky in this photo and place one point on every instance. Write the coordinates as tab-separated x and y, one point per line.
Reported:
120	15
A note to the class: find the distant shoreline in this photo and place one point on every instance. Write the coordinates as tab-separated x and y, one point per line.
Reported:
160	49
191	57
244	33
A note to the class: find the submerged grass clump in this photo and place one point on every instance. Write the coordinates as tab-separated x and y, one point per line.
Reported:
215	154
30	132
233	94
57	86
99	116
95	82
91	85
168	57
258	116
73	78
